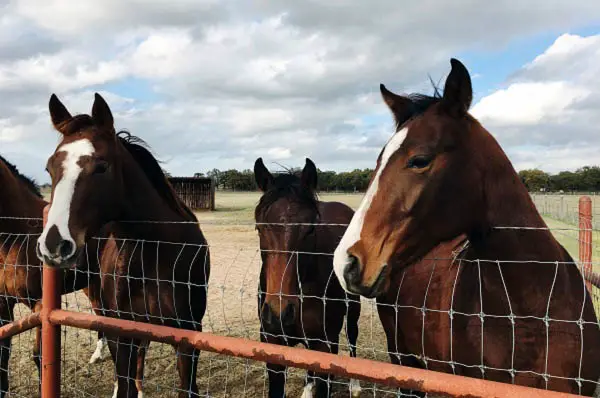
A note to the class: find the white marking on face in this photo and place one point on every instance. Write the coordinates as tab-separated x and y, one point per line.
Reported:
308	391
352	234
63	193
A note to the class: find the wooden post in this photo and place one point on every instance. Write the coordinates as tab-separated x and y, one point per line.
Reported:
585	239
212	194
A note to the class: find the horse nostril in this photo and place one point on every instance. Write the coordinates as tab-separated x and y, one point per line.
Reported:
38	250
65	248
352	269
289	315
267	315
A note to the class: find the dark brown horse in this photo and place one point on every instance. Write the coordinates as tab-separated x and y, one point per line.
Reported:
513	307
297	235
147	259
21	205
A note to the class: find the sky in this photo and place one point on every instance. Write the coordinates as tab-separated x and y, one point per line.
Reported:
216	84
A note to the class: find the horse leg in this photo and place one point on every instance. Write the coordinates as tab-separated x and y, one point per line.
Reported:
187	365
139	374
101	345
318	384
276	380
37	344
352	316
276	373
6	316
124	354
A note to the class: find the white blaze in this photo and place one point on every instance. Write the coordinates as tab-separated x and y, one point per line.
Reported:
63	192
352	234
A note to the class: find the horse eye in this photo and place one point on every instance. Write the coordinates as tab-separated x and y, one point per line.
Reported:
419	162
100	168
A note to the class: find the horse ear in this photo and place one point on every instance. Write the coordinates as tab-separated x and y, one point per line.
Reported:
101	114
309	175
262	176
458	91
399	105
58	113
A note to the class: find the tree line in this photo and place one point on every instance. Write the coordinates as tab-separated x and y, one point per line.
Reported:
584	179
328	181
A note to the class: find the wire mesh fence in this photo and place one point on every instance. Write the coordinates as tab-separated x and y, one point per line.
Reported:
233	309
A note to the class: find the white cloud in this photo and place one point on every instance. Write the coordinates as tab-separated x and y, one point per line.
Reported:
547	116
529	103
218	84
279	153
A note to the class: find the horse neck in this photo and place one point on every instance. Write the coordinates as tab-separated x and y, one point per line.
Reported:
142	202
508	207
17	200
525	255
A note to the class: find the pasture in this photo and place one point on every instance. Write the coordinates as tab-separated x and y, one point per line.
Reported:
232	311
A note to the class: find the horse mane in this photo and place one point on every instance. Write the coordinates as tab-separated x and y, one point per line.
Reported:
419	103
286	185
29	182
140	152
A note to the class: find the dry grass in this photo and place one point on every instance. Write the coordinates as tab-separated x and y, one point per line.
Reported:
231	311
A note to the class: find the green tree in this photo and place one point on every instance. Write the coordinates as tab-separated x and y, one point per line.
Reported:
535	179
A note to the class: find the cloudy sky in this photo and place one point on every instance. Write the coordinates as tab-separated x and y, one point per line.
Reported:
215	84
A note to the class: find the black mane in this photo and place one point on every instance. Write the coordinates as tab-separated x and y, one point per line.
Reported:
139	150
286	185
419	103
29	182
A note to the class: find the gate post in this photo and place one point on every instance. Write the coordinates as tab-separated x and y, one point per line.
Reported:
585	239
51	289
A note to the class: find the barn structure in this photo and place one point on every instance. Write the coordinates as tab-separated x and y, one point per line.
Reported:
198	193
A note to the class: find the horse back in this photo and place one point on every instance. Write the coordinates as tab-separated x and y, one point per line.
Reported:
164	275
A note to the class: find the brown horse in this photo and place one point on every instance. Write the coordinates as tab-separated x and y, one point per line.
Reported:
147	259
297	234
514	307
21	205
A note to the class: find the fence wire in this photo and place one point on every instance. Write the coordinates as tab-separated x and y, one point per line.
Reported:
233	310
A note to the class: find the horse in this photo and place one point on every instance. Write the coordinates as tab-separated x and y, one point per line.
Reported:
515	308
21	207
299	301
147	258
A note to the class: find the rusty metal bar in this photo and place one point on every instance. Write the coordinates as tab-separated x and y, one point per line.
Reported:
19	326
51	289
585	239
378	372
52	280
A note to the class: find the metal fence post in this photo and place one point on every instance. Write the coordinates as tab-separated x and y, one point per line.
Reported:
585	238
51	288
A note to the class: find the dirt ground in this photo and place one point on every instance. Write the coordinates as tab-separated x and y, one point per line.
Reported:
231	311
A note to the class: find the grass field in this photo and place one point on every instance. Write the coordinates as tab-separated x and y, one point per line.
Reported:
231	311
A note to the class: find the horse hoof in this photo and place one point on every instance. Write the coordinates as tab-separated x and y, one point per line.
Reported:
355	388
